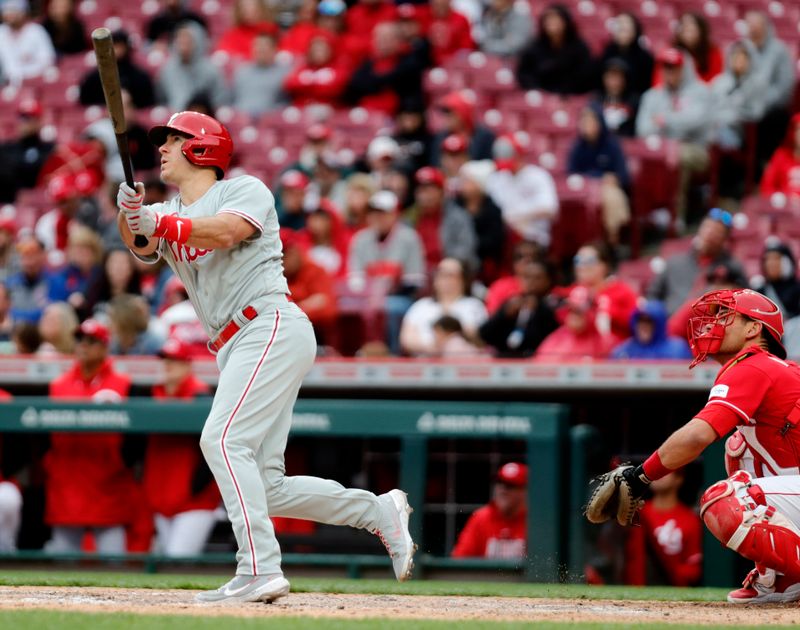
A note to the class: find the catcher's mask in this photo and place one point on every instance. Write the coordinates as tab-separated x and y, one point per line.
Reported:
717	310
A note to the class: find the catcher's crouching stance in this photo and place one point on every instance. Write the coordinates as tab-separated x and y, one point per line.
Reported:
756	510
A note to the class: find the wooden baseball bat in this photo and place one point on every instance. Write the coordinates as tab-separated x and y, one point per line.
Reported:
109	78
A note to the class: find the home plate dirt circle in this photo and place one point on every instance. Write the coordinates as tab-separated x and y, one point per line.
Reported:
180	602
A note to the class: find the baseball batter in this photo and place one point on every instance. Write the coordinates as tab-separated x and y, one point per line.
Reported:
220	237
756	510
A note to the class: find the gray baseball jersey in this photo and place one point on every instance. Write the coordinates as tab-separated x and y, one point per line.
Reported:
222	282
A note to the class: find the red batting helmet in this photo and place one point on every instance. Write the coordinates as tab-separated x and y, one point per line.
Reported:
716	310
208	144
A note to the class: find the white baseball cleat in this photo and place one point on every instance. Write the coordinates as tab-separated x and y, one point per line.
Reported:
765	588
247	588
393	532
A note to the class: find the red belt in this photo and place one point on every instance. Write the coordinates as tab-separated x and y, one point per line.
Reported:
231	328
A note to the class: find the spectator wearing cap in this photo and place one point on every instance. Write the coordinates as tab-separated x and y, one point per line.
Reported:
131	77
53	227
325	238
525	193
498	530
445	228
557	59
578	338
504	28
650	338
310	285
626	46
25	47
131	332
321	79
596	153
177	484
450	296
291	205
454	156
363	17
30	286
683	275
87	483
448	31
776	65
381	158
162	25
392	71
782	174
521	323
459	118
391	252
250	19
327	184
617	100
778	277
84	253
487	220
258	84
65	28
317	142
178	319
189	71
57	329
412	134
22	158
679	108
328	17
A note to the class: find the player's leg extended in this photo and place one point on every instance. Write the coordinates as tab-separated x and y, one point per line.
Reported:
258	370
760	520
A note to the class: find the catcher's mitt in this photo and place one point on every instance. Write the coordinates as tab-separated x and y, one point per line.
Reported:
617	495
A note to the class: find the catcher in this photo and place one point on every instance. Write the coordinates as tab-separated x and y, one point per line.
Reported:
756	510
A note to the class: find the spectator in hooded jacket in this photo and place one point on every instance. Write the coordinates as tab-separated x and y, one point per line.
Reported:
251	18
189	71
778	279
649	338
504	28
596	153
739	95
693	36
679	108
557	60
782	174
459	119
626	44
617	100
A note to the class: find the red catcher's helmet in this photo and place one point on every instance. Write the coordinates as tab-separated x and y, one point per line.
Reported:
208	144
716	310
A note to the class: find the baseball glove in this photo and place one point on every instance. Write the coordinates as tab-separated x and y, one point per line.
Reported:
618	495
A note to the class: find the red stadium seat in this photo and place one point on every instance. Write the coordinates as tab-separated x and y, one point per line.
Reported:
579	216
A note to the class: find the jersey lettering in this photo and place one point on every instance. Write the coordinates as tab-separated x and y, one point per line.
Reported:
182	253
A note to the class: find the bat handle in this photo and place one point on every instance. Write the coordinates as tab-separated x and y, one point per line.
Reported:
140	240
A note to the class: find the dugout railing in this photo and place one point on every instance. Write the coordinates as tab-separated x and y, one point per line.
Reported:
542	426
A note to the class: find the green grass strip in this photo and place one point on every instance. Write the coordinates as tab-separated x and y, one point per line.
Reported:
380	587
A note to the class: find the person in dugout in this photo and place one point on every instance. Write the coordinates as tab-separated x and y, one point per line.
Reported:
499	529
87	482
178	484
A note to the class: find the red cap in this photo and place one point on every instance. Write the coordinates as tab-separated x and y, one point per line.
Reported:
458	103
94	329
289	238
175	350
670	57
454	143
294	179
430	175
513	474
174	285
29	107
318	131
61	187
8	223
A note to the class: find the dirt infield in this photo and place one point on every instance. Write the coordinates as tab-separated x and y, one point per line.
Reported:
179	602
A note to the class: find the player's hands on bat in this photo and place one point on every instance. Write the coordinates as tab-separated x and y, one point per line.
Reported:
141	219
129	200
618	495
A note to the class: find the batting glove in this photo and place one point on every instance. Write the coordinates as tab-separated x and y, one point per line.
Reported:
142	221
129	200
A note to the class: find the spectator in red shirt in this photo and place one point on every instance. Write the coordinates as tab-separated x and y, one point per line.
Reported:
454	156
448	31
667	547
459	118
87	484
250	18
499	529
321	79
694	36
178	485
325	238
507	287
362	18
310	286
782	174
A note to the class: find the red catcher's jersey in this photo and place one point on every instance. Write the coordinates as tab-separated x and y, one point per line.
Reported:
488	534
756	392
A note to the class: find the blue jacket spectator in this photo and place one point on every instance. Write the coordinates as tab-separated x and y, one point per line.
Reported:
596	150
650	339
29	288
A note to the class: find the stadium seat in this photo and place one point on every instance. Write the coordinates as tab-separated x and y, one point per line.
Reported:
579	216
